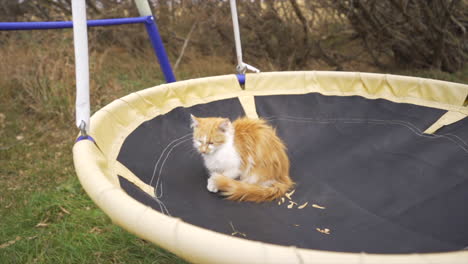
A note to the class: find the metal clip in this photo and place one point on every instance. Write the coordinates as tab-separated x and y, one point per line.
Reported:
82	128
243	67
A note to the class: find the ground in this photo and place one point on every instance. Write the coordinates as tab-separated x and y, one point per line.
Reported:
46	217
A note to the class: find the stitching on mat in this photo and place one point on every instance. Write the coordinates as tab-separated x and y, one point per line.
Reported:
462	144
159	183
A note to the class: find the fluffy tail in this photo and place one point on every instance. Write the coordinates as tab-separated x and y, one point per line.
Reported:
242	191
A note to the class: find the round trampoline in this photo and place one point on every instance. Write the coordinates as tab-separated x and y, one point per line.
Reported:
379	161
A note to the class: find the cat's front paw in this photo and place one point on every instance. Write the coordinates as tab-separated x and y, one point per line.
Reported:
211	186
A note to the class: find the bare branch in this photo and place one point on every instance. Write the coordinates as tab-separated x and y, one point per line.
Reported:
186	41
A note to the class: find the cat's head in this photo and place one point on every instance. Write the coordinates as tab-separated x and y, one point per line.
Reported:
210	133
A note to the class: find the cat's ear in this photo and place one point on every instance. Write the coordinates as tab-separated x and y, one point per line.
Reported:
225	125
194	121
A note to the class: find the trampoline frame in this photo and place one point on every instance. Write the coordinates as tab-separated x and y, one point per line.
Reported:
97	168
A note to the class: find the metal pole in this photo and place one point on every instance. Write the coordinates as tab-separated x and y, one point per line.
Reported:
69	24
235	24
158	48
242	67
156	41
80	39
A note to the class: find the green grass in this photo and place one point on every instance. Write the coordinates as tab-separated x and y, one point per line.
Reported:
62	225
46	217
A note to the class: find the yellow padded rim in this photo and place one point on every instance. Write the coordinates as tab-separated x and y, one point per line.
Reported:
97	168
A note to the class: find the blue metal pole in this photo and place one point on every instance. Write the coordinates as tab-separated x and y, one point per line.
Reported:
69	24
149	22
158	47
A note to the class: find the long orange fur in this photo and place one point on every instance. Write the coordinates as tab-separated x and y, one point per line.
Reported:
256	141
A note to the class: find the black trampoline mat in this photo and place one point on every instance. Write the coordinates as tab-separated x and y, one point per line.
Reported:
385	187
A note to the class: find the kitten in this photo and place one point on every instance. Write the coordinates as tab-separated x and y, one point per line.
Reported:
248	150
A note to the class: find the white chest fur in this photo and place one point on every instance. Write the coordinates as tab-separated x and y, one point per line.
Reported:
225	160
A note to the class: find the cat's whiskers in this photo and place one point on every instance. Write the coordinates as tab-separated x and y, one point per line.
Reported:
192	152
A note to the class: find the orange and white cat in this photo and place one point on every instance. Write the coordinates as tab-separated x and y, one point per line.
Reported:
245	159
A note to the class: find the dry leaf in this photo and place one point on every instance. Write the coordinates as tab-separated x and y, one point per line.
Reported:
64	210
289	194
42	224
318	206
291	204
303	206
11	242
95	230
323	231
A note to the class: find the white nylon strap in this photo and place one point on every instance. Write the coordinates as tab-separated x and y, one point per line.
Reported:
241	66
80	39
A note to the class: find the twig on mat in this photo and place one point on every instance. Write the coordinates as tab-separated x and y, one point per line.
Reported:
318	206
235	231
323	230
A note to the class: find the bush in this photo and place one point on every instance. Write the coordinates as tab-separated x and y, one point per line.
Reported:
412	33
